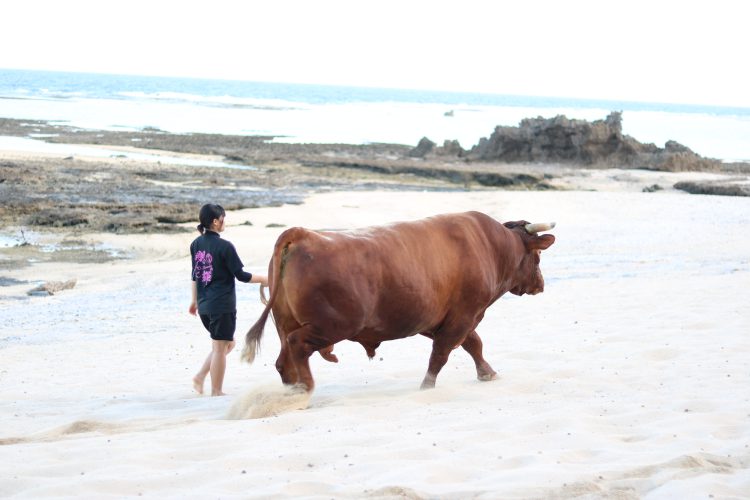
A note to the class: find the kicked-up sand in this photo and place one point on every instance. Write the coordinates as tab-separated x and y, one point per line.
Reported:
629	377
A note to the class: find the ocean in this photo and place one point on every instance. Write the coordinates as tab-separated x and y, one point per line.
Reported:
336	114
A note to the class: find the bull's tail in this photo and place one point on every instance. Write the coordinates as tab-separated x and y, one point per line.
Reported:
254	335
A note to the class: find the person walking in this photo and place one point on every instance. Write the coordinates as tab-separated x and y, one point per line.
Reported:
215	266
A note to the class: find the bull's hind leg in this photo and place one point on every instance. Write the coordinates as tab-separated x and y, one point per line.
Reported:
473	345
302	344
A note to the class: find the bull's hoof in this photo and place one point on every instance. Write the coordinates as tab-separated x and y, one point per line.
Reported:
428	383
486	377
299	388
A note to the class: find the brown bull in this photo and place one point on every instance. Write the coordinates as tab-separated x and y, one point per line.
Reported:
435	276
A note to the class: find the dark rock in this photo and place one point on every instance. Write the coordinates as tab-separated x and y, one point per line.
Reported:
52	287
600	143
424	147
676	147
495	180
175	218
715	188
450	148
57	218
652	189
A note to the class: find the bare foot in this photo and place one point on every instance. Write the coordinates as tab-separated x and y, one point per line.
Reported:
218	394
198	385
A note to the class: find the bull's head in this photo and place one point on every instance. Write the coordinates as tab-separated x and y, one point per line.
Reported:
528	279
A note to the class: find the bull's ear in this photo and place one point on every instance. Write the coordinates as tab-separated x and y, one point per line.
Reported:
542	242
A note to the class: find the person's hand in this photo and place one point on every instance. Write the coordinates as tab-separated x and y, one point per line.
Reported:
193	308
261	279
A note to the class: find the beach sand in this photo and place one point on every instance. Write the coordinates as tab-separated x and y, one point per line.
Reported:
627	378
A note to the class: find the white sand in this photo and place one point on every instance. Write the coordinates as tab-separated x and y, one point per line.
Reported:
629	377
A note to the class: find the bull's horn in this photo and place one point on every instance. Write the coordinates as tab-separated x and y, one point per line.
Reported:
539	226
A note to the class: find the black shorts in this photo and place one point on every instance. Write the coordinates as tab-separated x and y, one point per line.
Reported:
221	326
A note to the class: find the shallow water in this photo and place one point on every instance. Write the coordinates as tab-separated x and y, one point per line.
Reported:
329	114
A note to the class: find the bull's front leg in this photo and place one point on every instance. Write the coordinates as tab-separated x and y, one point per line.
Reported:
443	342
437	361
473	345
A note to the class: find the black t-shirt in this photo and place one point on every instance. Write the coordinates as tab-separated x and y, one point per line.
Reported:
215	266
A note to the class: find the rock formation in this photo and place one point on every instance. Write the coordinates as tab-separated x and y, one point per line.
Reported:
564	140
52	287
424	148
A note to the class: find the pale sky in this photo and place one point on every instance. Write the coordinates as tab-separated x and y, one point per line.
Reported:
638	50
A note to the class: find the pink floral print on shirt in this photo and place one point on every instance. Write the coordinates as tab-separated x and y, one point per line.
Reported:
203	267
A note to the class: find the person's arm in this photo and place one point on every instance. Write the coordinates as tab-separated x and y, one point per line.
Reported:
259	278
194	303
235	266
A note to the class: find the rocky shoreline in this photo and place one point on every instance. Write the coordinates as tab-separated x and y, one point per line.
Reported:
118	194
